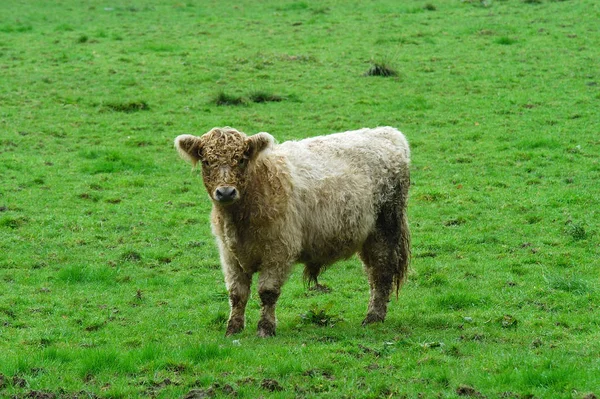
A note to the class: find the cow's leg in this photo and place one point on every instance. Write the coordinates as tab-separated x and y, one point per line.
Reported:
238	285
385	255
269	287
311	277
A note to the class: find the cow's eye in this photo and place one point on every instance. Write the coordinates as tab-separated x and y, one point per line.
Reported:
243	161
205	163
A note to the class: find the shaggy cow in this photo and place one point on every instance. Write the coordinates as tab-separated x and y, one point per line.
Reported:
313	201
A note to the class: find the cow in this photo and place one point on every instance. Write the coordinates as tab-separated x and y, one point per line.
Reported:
313	201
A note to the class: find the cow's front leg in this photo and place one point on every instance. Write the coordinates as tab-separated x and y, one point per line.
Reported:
269	288
267	322
238	284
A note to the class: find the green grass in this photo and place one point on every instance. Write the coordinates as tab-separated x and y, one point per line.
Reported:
110	283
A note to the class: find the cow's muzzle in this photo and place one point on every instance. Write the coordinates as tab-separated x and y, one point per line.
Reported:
226	194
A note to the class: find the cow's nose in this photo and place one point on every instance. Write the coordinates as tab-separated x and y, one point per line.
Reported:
225	194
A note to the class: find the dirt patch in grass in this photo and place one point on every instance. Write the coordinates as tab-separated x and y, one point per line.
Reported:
264	97
200	394
381	69
259	96
127	107
40	395
455	222
222	98
508	321
19	382
155	386
312	373
271	385
131	256
13	222
465	390
216	390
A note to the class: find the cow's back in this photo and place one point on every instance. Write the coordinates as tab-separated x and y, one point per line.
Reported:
339	183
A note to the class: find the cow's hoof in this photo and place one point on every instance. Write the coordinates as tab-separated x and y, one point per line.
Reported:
266	333
234	327
373	318
266	329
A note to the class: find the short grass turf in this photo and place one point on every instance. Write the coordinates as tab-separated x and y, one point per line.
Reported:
110	284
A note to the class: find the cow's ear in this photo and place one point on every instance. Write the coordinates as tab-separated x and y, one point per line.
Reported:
189	147
257	143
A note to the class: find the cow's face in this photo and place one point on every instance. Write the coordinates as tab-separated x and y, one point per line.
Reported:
226	156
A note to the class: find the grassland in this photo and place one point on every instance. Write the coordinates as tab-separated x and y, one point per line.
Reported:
110	284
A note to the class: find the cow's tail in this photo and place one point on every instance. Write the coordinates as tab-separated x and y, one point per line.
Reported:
401	269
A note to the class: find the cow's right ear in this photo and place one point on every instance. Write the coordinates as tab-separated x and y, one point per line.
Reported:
189	147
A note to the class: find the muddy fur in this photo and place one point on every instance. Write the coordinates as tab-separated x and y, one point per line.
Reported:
313	201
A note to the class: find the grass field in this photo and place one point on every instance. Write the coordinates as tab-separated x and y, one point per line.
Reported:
110	284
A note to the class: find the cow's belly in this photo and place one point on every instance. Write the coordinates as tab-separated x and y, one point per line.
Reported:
326	240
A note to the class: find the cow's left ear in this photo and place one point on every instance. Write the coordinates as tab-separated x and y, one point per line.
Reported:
257	143
189	147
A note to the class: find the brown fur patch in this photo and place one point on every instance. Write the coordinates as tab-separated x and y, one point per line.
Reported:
268	297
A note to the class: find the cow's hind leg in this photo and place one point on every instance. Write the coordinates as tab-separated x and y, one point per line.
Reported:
385	255
311	277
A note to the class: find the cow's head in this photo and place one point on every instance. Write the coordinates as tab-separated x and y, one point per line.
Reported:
226	156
